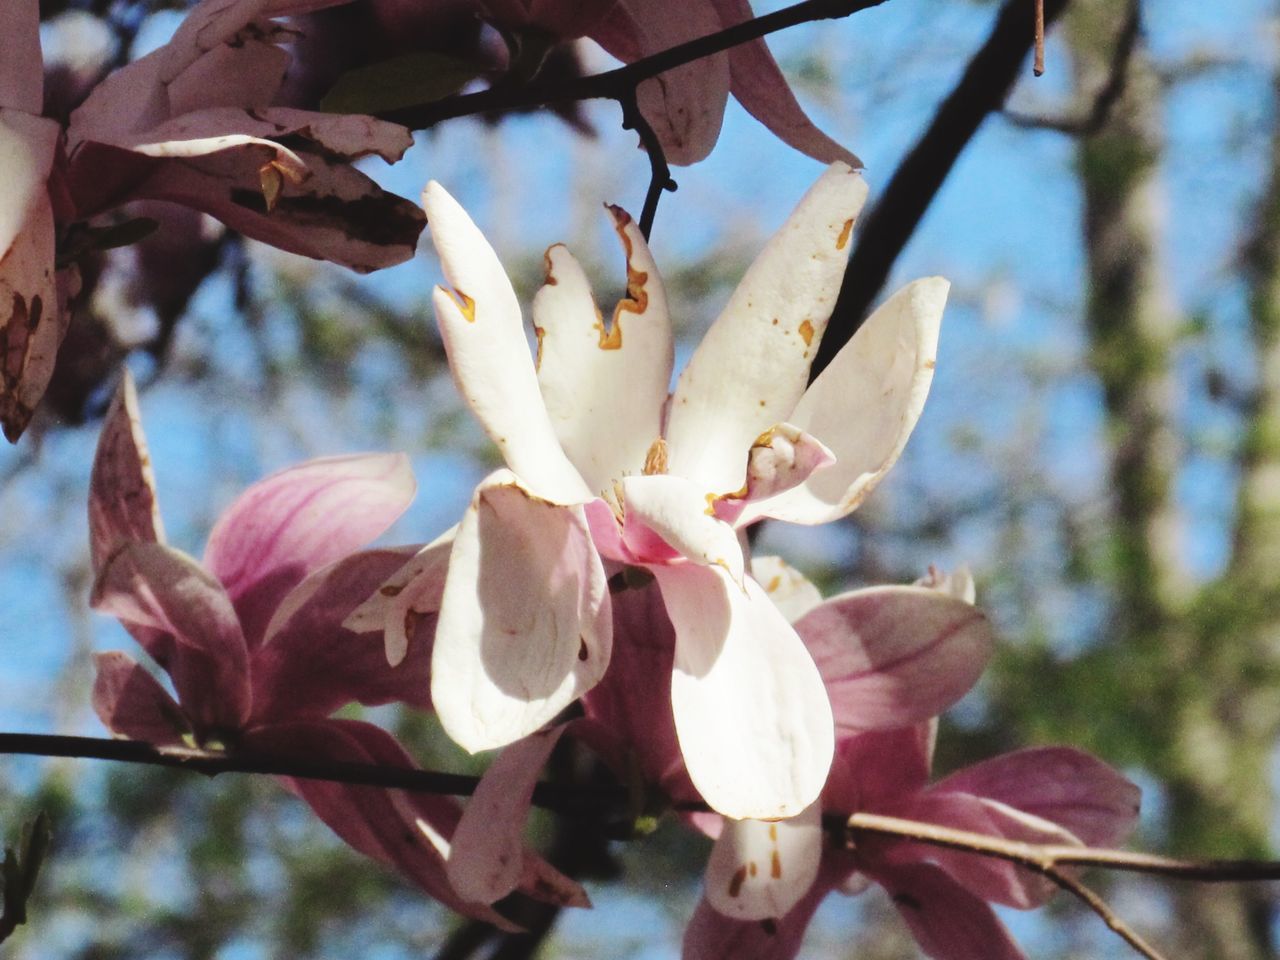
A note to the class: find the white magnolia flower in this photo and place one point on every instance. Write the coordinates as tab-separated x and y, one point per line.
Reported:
601	469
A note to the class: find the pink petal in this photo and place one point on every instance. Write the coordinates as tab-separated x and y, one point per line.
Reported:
763	91
32	321
992	879
1065	786
713	936
122	489
409	831
752	715
486	860
752	366
879	770
21	64
404	607
759	870
335	213
185	620
685	106
948	922
298	520
866	403
525	626
781	458
628	714
484	337
604	386
309	664
893	656
131	703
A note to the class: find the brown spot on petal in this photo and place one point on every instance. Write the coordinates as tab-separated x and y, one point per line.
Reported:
843	240
735	884
806	332
752	868
583	653
411	620
774	584
773	832
769	926
391	590
775	866
539	333
548	271
466	305
930	364
655	461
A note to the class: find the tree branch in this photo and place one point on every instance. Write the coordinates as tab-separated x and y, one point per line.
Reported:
886	229
617	84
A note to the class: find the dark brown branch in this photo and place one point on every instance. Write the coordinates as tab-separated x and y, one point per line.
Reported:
597	802
619	83
886	229
659	170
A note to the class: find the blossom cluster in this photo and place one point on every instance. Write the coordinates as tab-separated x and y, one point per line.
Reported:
600	586
606	565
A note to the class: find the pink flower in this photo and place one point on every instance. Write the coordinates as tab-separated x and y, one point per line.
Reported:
190	123
252	640
685	105
765	880
600	469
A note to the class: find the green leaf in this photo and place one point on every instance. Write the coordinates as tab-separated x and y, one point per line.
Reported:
400	82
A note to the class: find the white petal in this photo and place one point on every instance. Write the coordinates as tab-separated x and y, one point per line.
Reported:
866	403
412	591
788	588
26	155
752	366
751	713
525	622
604	387
486	857
484	337
759	870
676	511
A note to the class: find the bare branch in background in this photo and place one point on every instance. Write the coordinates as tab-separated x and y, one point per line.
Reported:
885	230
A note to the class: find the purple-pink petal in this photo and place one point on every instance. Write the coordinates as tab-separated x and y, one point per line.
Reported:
184	619
407	831
131	703
297	521
894	656
122	496
948	922
1060	784
309	665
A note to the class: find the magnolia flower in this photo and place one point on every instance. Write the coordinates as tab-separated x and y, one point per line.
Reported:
251	638
190	123
598	471
766	880
684	105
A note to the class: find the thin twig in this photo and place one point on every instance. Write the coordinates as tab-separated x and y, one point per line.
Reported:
1038	68
1095	118
615	84
1103	909
659	170
1042	857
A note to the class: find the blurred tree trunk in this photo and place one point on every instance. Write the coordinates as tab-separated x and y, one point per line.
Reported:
1189	660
